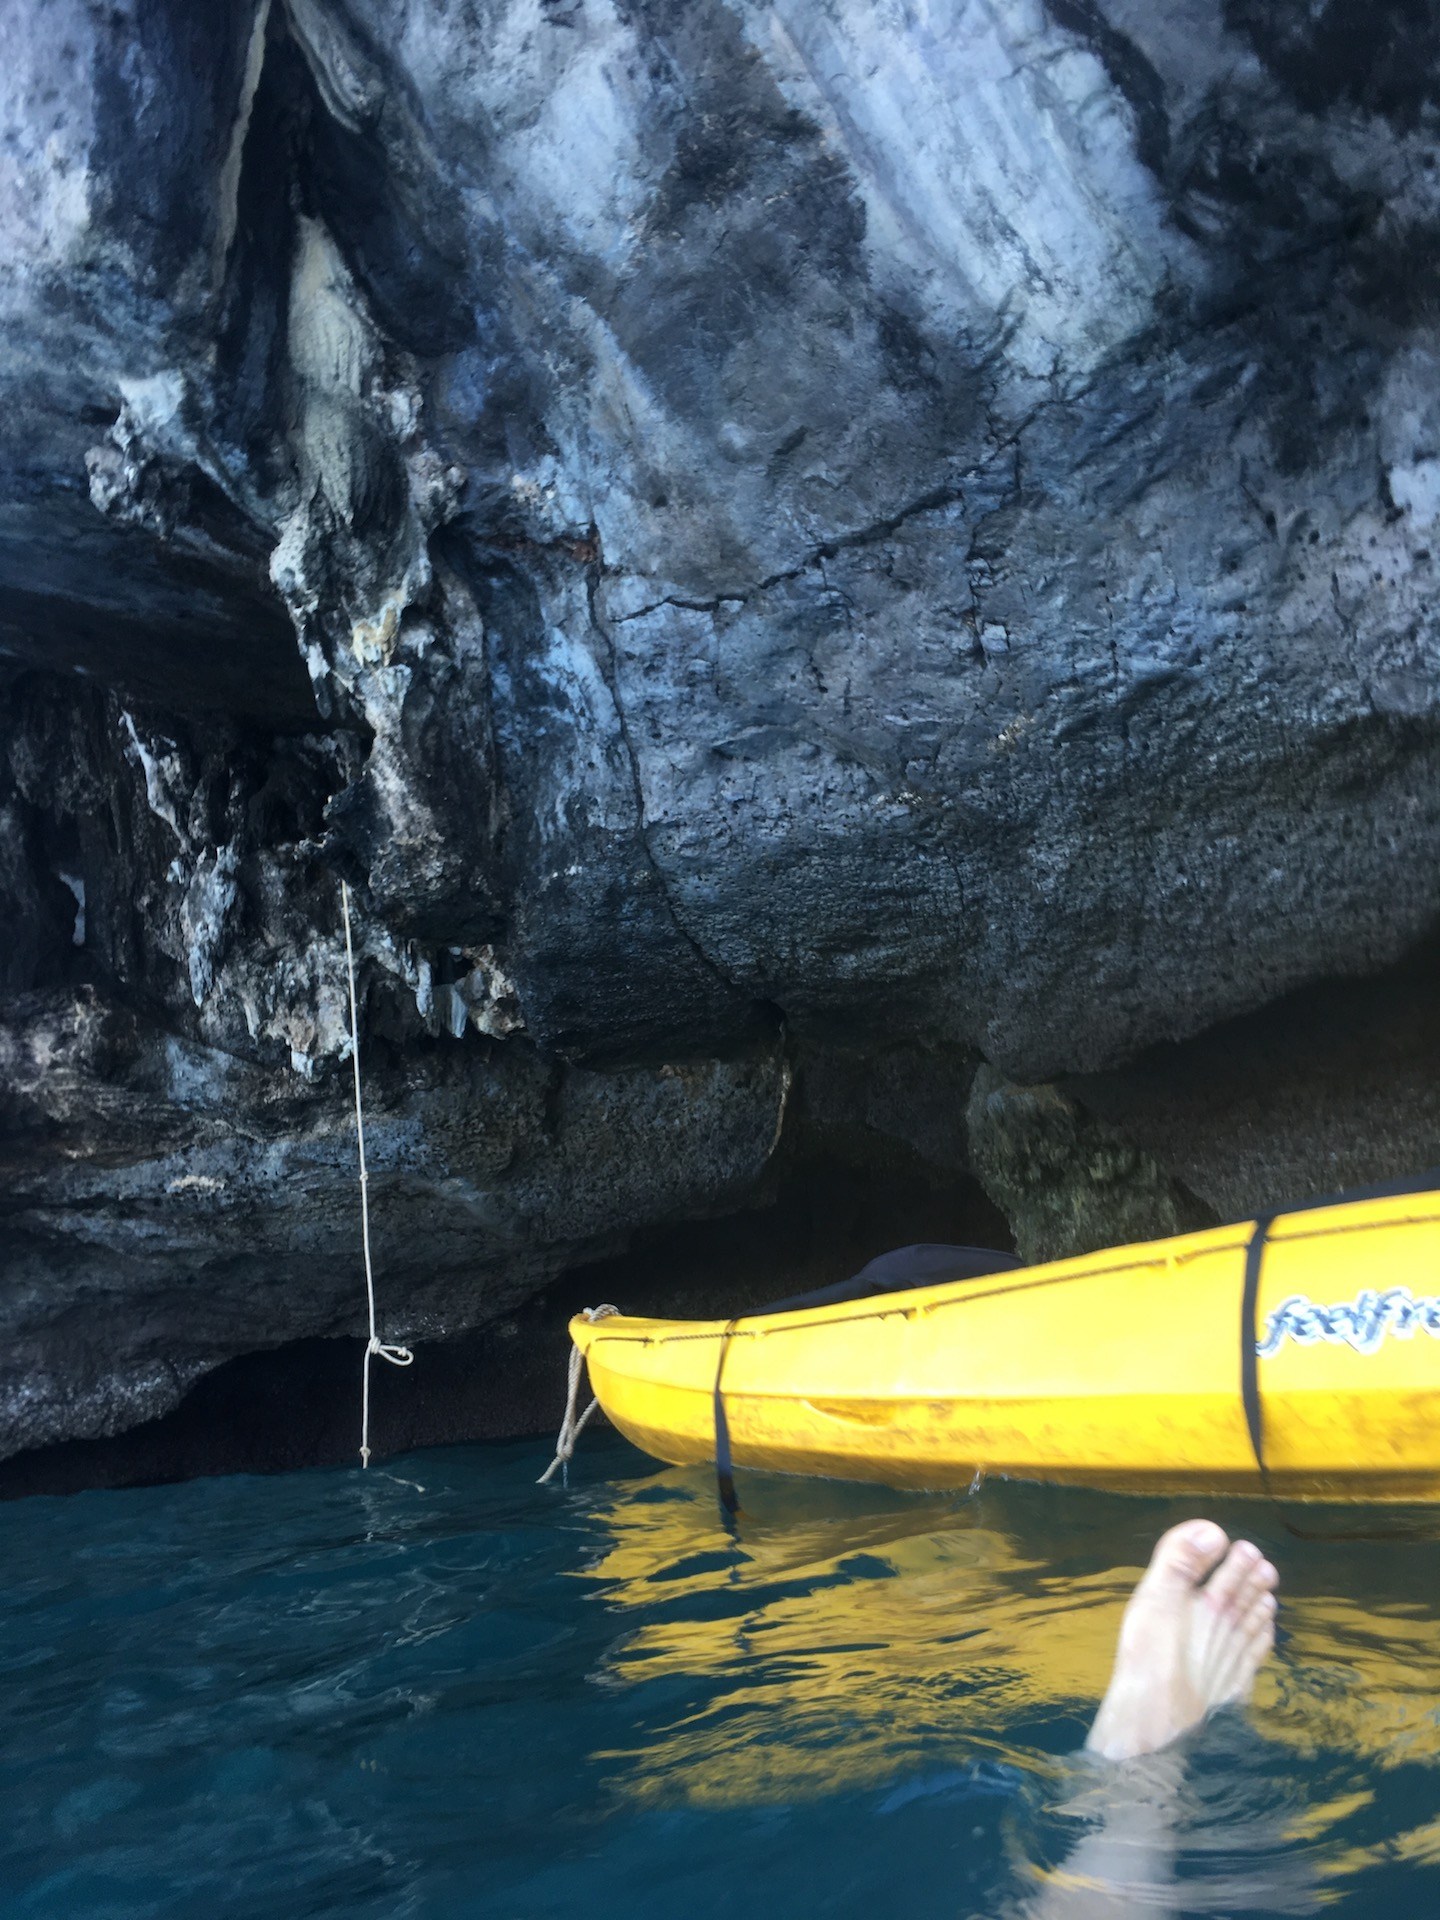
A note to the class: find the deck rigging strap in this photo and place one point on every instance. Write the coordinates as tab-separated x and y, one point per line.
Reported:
724	1465
927	1264
1424	1182
1250	1345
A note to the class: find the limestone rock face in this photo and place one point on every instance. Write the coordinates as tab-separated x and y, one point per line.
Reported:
742	530
1068	1182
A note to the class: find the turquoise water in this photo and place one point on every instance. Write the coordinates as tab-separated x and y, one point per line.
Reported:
437	1689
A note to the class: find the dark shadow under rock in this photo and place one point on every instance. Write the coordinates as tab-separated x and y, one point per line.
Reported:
299	1405
1336	1086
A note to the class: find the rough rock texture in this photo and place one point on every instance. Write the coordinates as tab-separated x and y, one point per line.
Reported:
196	1203
805	543
1068	1182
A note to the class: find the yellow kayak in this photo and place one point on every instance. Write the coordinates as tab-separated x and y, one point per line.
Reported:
1298	1355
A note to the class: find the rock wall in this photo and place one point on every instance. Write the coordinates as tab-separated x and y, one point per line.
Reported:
788	552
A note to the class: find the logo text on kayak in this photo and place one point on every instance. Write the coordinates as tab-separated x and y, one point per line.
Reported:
1362	1323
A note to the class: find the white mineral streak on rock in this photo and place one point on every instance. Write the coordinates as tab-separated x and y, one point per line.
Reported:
333	349
47	109
153	402
163	775
373	641
123	470
450	1010
1416	490
208	901
1410	433
490	997
423	985
997	164
578	142
76	883
352	86
228	186
353	411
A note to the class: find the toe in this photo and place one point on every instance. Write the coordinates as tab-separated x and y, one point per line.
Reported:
1184	1555
1245	1649
1257	1636
1259	1621
1232	1586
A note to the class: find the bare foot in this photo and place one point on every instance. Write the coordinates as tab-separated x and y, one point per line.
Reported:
1188	1643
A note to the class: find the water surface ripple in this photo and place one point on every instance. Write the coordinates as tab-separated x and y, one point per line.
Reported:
438	1690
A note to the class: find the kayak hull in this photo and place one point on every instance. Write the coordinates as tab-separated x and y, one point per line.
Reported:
1119	1370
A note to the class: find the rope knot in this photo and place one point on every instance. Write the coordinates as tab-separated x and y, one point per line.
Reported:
397	1356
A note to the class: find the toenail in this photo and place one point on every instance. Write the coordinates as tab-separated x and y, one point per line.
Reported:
1202	1535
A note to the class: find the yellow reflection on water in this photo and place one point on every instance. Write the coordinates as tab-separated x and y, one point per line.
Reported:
848	1634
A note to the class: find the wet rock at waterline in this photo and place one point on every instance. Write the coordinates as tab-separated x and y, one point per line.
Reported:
762	540
170	1204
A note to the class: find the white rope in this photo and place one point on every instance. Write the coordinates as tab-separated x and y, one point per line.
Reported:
397	1356
571	1428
